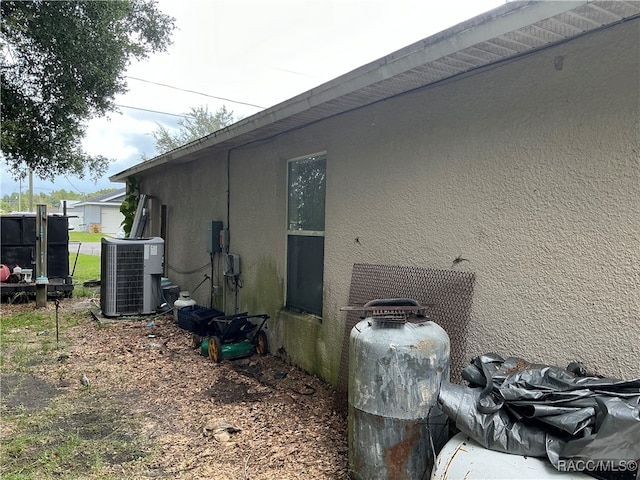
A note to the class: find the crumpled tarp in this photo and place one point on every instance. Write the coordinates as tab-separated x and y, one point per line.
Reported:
521	408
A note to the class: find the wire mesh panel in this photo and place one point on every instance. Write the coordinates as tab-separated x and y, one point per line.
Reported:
448	294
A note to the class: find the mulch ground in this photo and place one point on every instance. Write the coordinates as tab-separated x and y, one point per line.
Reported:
254	418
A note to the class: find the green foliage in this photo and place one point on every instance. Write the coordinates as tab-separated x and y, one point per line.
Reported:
63	63
20	203
198	123
129	205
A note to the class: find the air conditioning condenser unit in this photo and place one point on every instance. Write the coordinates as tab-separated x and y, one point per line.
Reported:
131	275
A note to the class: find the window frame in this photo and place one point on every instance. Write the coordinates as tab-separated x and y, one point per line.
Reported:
301	232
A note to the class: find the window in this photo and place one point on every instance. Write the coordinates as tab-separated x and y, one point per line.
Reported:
305	233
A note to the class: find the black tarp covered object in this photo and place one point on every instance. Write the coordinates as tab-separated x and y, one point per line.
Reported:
521	408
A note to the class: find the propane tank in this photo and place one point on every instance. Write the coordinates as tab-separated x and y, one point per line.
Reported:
463	457
395	370
184	300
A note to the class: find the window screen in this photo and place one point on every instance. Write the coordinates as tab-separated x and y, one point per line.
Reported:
305	234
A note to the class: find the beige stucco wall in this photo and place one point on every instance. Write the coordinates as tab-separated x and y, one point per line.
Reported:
530	170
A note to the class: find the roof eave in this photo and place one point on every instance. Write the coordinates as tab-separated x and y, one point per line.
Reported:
504	19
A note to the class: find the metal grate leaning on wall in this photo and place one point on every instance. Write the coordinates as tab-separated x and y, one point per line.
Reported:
449	292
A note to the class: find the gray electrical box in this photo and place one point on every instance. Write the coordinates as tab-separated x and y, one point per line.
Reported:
231	265
213	236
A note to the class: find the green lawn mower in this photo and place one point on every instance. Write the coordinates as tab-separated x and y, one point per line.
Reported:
235	336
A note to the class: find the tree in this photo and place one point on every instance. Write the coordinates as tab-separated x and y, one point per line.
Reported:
129	205
198	123
63	63
14	202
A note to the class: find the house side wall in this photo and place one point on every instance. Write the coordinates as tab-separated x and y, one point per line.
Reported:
76	214
194	195
110	219
528	170
92	216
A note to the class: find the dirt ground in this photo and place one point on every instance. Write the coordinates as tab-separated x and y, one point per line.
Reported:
254	418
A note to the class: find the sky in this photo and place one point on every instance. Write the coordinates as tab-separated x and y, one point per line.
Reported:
249	55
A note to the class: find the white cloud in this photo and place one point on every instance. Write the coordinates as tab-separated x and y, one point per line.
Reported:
261	52
110	138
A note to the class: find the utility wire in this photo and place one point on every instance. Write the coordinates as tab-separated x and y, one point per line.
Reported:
294	72
72	185
193	91
152	111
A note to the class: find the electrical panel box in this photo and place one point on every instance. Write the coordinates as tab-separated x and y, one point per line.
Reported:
213	236
224	239
231	265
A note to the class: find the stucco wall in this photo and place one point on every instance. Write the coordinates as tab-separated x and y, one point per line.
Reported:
194	194
529	170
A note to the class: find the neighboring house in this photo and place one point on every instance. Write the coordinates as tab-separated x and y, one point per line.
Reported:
100	213
75	215
510	141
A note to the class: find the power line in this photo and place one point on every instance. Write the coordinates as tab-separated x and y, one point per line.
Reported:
152	111
193	91
72	185
294	72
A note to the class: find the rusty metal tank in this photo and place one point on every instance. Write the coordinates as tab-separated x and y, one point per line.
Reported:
397	360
